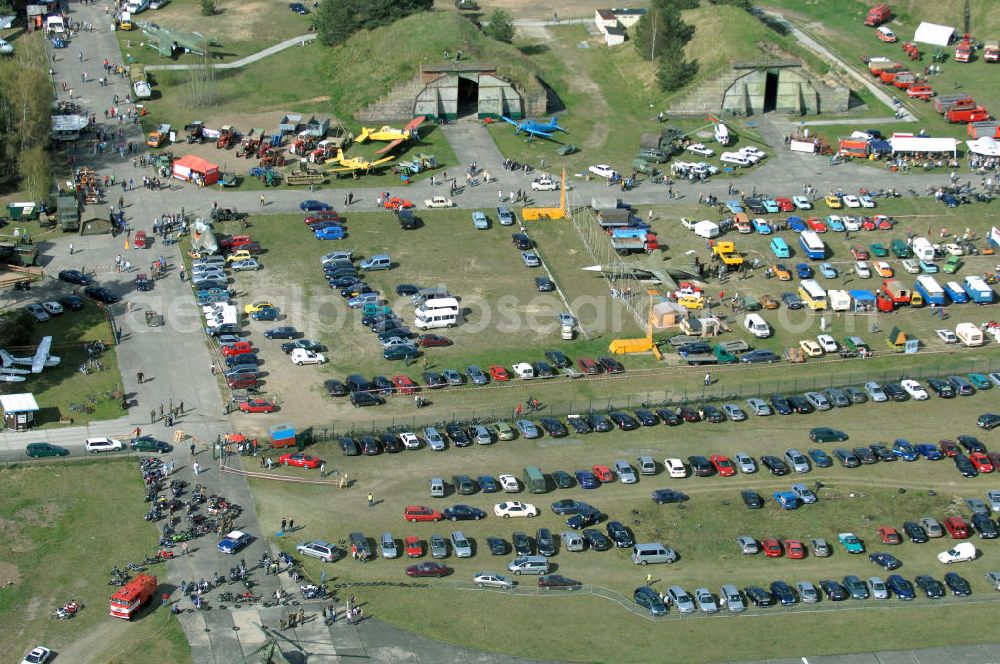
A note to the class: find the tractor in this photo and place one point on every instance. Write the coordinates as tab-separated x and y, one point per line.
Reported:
270	157
227	137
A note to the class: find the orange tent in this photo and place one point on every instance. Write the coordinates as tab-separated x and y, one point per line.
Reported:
195	169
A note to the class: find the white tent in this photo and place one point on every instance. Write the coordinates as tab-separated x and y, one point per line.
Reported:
932	33
984	145
706	229
910	143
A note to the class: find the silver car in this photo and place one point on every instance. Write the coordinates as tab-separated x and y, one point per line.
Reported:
804	493
626	474
434	439
745	463
729	595
807	592
875	392
527	429
246	265
932	526
482	435
837	397
818	401
705	600
734	412
977	506
797	460
680	598
748	544
388	546
439	546
530	259
759	407
492	580
993	498
879	591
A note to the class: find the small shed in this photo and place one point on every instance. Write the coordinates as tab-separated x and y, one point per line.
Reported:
19	410
897	339
96	220
195	169
667	314
863	300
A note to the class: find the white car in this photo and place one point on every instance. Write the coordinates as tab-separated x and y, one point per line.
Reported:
851	201
103	444
862	269
851	223
962	552
509	483
52	308
911	265
827	343
544	184
39	654
745	463
515	508
604	171
867	201
246	265
338	255
302	356
801	203
675	467
491	580
953	249
409	440
700	149
6	48
914	389
439	202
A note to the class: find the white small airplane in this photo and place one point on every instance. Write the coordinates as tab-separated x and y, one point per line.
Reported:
37	362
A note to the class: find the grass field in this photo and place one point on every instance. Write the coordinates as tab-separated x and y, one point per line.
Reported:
59	543
57	387
703	533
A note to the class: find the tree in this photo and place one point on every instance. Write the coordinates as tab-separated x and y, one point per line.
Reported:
675	70
209	7
501	26
35	168
336	20
661	24
683	4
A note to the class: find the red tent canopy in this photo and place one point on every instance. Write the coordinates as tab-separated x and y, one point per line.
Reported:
195	169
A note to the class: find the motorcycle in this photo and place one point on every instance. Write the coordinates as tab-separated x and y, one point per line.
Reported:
134	567
67	610
226	597
311	591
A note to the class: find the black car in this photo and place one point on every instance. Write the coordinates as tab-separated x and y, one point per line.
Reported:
342	281
545	542
800	405
282	332
988	421
562	479
457	434
298	8
358	383
599	423
434	380
553	426
370	446
463	513
360	399
943	388
544	284
895	391
150	444
569	506
865	455
623	420
584	519
965	466
701	466
407	289
390	442
882	452
307	344
834	591
335	388
223	330
847	458
984	526
971	444
915	532
665	496
620	534
646	417
760	356
543	370
558	582
75	277
931	586
710	413
752	499
522	242
855	587
522	544
497	546
791	300
463	485
958	585
774	464
407	221
820	458
349	447
100	294
71	302
780	404
596	540
758	596
557	358
383	385
610	365
669	417
885	560
783	592
580	425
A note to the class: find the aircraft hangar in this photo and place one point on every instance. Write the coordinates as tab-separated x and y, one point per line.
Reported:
455	89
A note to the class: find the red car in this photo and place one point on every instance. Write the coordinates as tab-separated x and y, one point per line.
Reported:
603	473
241	383
322	215
816	224
772	547
396	203
433	340
723	465
257	406
238	348
414	547
956	527
981	462
589	366
785	204
884	222
795	550
404	385
234	242
498	373
889	535
949	448
428	569
299	459
414	513
859	253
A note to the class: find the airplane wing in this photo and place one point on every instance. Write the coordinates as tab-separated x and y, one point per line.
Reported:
6	358
343	169
10	378
364	135
390	146
537	132
414	123
379	162
509	121
41	355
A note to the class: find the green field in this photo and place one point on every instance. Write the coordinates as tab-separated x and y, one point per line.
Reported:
702	531
60	540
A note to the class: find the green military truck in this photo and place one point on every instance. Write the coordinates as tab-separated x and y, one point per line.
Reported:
68	213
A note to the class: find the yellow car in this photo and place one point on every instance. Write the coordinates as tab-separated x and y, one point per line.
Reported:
833	202
240	255
883	269
810	348
257	306
769	302
781	272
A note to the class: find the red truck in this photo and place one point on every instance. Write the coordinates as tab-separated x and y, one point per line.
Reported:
977	114
895	291
920	91
133	596
888	76
904	79
945	103
878	15
963	50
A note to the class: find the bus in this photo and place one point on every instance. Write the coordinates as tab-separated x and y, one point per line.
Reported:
812	294
812	245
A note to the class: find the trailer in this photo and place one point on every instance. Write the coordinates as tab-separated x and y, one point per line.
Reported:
904	79
895	291
977	289
68	127
929	289
969	334
840	300
698	353
878	63
632	245
614	217
68	213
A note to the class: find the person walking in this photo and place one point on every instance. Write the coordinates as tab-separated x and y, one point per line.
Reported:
192	449
70	248
195	468
184	547
708	378
262	203
139	376
152	416
371	499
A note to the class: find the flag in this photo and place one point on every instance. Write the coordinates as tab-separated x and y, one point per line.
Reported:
126	244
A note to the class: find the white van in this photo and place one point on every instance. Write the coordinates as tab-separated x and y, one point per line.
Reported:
438	303
735	159
757	326
435	318
652	552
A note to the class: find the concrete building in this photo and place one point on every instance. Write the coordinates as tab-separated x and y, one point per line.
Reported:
614	23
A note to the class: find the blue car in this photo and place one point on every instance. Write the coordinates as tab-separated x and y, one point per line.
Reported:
804	271
828	270
835	224
929	451
234	541
796	224
771	206
586	479
928	267
267	313
311	205
331	233
487	484
734	206
820	458
59	42
902	588
904	450
761	226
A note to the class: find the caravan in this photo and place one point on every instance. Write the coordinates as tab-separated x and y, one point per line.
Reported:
812	294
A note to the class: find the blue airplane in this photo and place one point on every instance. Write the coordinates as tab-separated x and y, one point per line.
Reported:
536	128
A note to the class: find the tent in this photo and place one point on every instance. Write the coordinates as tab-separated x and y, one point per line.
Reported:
195	169
932	33
706	229
863	300
911	143
897	339
667	314
986	146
